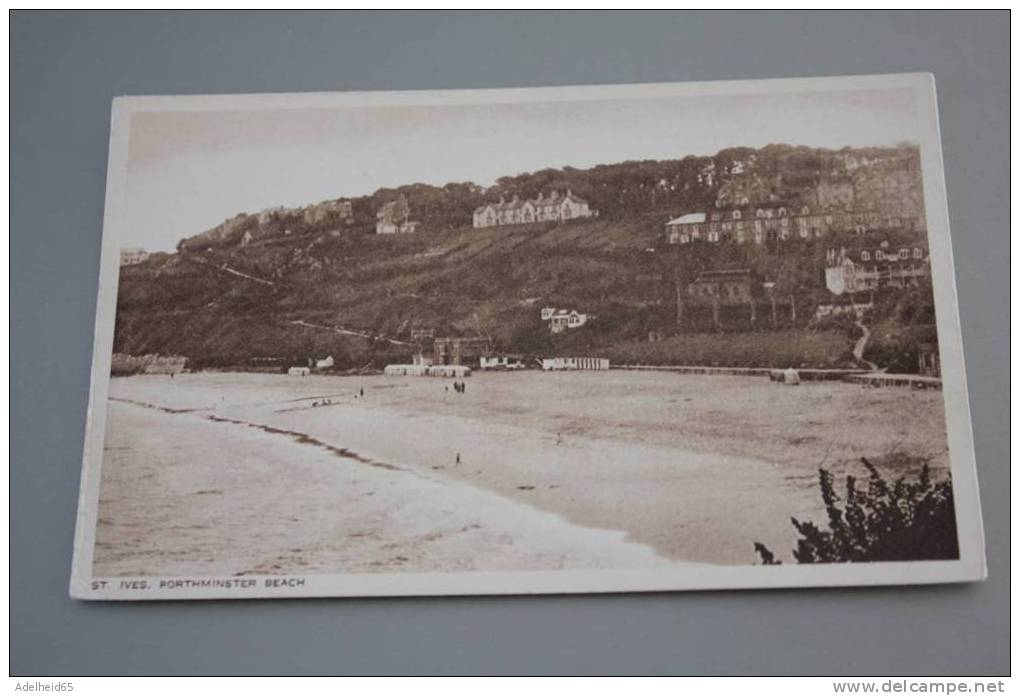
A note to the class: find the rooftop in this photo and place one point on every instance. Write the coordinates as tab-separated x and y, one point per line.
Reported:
687	219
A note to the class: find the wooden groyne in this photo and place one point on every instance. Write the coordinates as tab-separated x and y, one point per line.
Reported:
882	379
699	369
818	375
855	376
812	374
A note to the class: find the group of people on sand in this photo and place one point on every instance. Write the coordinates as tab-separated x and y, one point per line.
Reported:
328	402
460	387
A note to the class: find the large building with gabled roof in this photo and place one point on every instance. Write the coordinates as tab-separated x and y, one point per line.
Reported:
518	211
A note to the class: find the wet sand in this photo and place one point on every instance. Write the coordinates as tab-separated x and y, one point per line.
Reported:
578	470
184	495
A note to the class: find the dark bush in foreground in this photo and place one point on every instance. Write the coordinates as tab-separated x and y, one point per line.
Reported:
898	521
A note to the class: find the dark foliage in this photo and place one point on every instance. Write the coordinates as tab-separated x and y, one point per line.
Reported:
897	521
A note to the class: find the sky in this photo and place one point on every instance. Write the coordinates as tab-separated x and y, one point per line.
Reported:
190	170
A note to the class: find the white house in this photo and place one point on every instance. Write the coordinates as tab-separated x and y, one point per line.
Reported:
324	363
132	255
299	371
865	269
686	228
561	319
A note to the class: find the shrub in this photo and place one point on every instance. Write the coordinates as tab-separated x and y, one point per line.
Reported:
898	521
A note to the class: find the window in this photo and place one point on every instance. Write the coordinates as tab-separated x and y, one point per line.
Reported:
736	214
782	212
828	219
904	253
761	213
865	256
918	253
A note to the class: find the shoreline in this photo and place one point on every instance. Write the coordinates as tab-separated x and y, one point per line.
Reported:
345	512
658	463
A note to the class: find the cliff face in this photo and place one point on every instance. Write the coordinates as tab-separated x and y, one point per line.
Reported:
250	286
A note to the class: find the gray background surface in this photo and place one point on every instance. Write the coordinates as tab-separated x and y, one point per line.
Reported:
65	69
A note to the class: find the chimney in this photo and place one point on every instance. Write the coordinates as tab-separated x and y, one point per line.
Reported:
554	195
502	200
539	199
569	193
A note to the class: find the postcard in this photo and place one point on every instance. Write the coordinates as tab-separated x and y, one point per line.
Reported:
557	340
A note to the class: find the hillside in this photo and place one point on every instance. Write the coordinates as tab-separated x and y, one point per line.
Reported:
235	292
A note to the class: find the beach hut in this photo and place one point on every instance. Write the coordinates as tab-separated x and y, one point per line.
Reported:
299	372
449	371
575	363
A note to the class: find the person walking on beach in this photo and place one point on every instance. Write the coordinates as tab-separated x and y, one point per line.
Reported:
362	391
458	458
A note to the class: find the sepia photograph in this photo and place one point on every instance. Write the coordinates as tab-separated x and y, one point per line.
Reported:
580	339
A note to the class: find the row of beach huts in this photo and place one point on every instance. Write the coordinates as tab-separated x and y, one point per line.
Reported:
504	363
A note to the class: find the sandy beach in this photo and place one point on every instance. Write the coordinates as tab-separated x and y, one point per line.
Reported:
222	473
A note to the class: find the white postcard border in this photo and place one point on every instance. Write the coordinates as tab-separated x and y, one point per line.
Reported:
969	567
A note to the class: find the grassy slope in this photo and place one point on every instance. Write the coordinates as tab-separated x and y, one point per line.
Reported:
458	281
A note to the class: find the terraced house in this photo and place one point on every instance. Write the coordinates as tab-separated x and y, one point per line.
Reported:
519	211
768	223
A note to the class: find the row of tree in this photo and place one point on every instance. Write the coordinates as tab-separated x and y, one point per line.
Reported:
618	190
